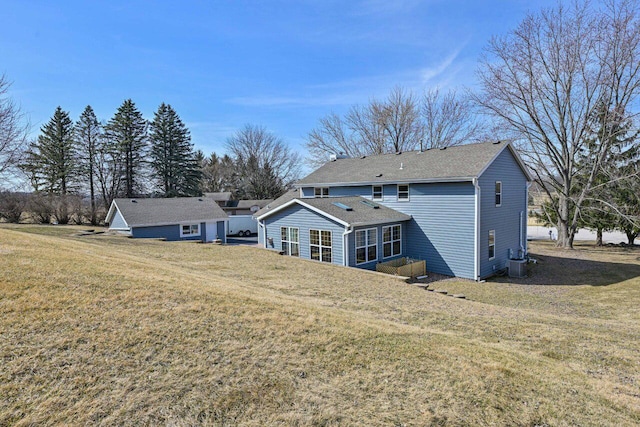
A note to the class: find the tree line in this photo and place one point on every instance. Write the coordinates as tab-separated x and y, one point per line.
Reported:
563	85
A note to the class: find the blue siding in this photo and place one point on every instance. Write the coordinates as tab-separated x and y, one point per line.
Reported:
220	232
372	264
305	220
118	221
442	229
505	220
168	232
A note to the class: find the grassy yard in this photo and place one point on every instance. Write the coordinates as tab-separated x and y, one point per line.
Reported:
98	329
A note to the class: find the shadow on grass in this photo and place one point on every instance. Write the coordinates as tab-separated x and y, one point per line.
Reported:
566	270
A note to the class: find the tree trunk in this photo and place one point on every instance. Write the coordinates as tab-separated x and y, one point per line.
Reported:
599	236
631	237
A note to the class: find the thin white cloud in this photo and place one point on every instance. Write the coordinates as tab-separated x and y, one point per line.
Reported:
430	73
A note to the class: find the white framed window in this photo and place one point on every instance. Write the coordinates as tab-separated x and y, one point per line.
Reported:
376	192
492	244
189	230
321	191
403	192
366	245
498	194
289	236
391	240
320	245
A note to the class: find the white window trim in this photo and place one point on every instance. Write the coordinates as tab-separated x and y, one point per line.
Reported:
320	246
366	245
500	193
289	241
494	244
373	197
321	192
408	193
391	241
190	234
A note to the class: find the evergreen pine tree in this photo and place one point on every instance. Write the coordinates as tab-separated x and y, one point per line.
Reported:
88	136
127	131
51	160
173	159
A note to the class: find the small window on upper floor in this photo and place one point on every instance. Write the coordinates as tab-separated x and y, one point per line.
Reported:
498	193
321	191
376	192
403	192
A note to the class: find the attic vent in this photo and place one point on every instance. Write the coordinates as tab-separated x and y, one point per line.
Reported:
497	142
134	201
363	157
401	166
200	200
379	175
443	148
342	206
368	203
398	153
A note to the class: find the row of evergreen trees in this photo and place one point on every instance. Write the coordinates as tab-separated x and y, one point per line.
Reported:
126	157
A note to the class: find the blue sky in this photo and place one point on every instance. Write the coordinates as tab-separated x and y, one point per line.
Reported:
222	64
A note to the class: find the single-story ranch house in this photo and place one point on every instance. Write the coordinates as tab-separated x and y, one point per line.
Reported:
462	209
180	218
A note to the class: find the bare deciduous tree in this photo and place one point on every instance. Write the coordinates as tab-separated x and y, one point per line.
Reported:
448	119
13	131
399	123
265	164
544	81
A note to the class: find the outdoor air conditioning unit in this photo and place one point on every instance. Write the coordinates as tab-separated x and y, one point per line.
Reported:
517	268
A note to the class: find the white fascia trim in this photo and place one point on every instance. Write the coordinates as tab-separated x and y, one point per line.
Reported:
409	181
515	155
112	210
306	205
120	229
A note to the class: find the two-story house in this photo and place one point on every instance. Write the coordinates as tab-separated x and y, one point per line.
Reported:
462	209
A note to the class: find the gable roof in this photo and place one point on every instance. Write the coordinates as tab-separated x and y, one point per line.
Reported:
460	163
286	197
160	211
360	211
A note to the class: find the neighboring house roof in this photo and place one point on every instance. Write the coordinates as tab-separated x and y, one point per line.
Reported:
160	211
460	163
286	197
246	204
223	196
349	211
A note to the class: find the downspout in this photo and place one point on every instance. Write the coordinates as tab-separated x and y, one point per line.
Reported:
476	254
264	234
524	246
345	244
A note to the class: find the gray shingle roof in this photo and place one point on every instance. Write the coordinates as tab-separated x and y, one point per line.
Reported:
463	162
361	211
223	196
139	212
289	195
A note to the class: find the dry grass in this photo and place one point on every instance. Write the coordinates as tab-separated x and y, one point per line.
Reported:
108	330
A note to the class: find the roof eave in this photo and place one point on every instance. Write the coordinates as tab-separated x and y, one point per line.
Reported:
395	181
189	221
